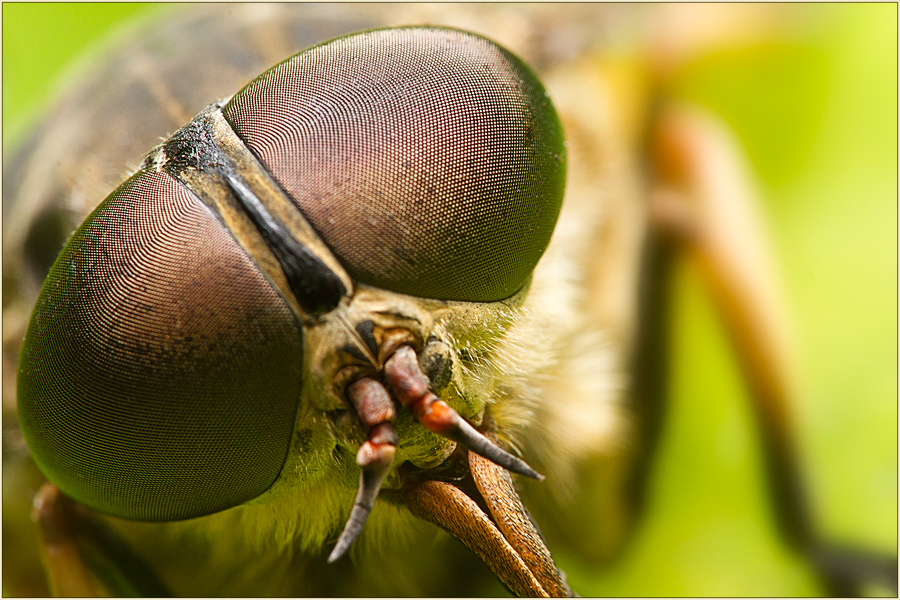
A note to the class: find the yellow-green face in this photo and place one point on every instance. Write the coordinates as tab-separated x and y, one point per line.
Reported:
811	94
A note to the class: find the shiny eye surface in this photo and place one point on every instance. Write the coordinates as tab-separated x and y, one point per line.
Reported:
153	383
429	160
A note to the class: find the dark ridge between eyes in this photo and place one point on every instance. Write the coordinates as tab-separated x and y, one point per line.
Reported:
317	288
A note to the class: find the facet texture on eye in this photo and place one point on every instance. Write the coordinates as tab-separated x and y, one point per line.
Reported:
154	380
430	160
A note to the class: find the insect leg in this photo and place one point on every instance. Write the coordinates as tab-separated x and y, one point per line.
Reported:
707	206
83	556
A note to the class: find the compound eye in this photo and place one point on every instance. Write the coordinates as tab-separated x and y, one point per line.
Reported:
430	160
160	375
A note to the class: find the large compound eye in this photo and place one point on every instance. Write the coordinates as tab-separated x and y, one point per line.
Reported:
160	374
430	160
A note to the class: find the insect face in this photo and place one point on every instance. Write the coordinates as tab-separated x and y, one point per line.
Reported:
378	197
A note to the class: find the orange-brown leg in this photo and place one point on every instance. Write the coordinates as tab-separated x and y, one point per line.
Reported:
704	201
83	557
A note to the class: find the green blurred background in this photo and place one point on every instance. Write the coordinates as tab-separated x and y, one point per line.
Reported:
815	107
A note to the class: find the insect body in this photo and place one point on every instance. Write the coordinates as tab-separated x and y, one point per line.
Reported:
549	361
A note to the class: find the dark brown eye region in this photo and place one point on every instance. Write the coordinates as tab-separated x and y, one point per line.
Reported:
153	383
429	160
